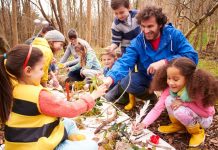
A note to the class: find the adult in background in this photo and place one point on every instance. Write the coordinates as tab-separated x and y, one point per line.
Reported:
154	47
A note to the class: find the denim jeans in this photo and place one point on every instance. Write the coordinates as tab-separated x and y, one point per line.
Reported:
71	128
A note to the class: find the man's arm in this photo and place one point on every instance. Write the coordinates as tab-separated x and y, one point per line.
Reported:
121	67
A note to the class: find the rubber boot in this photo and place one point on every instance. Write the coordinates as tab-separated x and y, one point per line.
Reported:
197	135
131	103
175	126
76	137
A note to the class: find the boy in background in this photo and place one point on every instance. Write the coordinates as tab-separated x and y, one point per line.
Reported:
124	27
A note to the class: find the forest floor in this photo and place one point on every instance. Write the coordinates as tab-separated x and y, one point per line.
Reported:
180	141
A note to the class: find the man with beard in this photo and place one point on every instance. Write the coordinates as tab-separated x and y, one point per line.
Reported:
155	46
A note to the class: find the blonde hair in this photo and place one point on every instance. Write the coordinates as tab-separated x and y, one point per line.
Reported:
108	53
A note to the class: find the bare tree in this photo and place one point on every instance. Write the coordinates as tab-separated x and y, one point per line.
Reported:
14	23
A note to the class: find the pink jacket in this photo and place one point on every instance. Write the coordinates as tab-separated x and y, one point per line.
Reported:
196	106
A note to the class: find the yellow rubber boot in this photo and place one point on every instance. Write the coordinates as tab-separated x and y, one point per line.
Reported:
131	103
197	135
76	137
175	126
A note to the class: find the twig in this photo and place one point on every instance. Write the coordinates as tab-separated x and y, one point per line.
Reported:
104	123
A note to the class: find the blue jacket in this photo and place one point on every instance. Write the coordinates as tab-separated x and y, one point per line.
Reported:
173	44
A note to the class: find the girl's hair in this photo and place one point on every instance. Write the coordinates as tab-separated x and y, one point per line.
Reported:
111	54
82	50
198	82
12	66
72	34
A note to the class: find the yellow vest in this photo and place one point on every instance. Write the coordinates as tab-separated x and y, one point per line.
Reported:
29	129
43	45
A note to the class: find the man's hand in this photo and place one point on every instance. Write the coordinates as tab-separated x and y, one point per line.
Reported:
155	66
108	81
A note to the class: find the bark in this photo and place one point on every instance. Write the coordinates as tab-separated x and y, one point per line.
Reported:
14	23
89	23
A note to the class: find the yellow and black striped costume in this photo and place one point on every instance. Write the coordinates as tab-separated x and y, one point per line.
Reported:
27	128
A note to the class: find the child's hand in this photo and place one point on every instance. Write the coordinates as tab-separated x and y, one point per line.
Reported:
136	128
176	104
99	92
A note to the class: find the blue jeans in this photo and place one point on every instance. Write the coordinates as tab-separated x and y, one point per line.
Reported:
71	128
138	87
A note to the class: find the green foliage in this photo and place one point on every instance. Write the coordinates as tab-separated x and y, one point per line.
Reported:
209	65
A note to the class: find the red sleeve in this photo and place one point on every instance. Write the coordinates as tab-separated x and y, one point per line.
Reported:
52	106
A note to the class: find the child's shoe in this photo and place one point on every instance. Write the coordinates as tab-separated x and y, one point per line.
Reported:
197	135
131	103
175	126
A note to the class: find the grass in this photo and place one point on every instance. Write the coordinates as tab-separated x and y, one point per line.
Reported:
209	65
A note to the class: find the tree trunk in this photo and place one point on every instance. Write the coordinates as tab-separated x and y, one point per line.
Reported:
89	23
3	17
81	16
14	23
59	6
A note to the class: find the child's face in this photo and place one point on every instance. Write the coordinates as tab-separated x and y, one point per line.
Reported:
107	61
73	41
122	13
57	46
36	72
175	79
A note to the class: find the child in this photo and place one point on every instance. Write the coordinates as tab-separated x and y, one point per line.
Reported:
31	114
189	96
52	42
89	65
124	27
73	37
108	59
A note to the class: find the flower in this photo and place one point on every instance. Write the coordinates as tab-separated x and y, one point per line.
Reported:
154	139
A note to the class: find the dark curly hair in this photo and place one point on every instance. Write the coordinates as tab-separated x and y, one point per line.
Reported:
152	11
115	4
198	82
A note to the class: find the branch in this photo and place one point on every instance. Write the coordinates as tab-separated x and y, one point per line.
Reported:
55	12
104	123
199	21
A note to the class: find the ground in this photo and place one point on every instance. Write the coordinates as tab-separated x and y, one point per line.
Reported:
180	141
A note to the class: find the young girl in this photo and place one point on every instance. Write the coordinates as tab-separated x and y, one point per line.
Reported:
89	65
189	96
108	59
30	113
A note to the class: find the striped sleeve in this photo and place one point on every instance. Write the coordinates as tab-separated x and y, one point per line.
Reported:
116	34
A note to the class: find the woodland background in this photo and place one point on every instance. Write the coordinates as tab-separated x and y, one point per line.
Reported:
197	19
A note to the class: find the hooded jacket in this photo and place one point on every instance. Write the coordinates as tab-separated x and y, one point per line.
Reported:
173	44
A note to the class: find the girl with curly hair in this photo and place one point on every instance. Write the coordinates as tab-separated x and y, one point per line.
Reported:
189	95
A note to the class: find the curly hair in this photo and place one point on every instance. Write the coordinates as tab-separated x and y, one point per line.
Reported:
152	11
198	82
115	4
